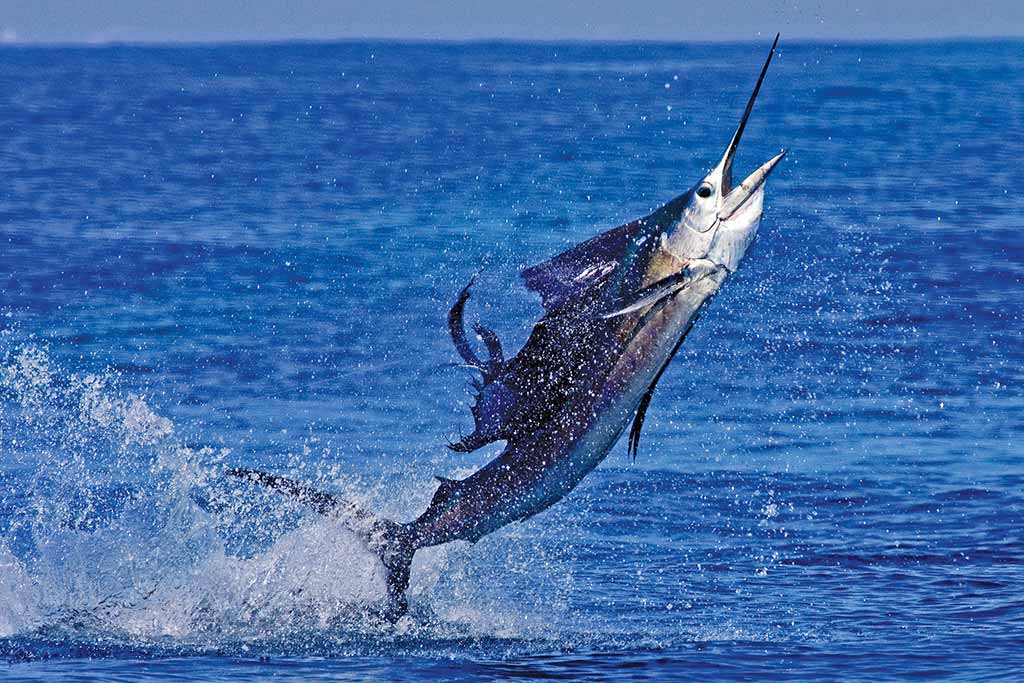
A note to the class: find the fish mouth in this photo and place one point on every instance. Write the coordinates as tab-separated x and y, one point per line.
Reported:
737	198
731	199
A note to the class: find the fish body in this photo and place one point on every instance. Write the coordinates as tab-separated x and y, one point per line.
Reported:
617	308
572	410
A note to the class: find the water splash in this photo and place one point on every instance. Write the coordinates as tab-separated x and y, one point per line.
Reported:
123	529
115	534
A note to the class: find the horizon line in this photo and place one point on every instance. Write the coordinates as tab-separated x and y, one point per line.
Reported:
271	42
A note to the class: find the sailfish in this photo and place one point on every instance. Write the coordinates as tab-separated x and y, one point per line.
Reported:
617	307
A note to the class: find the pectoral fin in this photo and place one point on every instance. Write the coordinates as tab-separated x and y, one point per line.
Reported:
663	288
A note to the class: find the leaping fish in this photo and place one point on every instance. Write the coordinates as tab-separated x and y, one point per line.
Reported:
617	308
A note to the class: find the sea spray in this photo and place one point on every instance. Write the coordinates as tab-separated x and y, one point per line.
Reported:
126	533
122	528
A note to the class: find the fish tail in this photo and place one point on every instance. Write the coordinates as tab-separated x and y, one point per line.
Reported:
393	543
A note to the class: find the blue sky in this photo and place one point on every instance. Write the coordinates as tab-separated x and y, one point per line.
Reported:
98	21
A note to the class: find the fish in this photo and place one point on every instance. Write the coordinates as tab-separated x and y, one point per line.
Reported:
617	308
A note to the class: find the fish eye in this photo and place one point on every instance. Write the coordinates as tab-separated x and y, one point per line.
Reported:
704	191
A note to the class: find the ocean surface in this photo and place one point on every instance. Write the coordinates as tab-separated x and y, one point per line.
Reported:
244	255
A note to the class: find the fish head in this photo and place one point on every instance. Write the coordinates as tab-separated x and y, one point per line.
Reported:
718	220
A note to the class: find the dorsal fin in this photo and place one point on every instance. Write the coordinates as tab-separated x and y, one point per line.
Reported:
586	265
444	490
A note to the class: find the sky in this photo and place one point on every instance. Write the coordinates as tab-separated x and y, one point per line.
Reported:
104	21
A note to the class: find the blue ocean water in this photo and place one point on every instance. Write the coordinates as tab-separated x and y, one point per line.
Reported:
243	256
